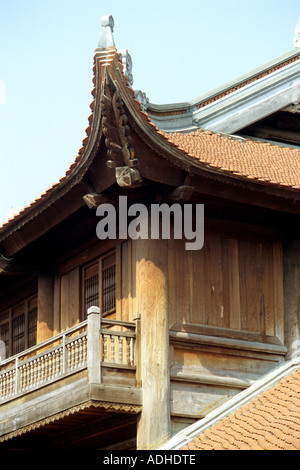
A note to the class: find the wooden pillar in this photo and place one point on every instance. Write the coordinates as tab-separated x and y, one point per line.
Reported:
94	327
45	307
291	281
152	303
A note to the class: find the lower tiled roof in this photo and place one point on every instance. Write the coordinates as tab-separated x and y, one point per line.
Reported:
259	161
269	422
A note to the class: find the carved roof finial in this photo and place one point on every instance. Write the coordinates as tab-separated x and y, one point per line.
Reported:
127	65
297	32
106	39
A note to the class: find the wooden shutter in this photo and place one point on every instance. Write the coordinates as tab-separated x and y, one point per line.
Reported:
108	275
32	326
91	286
18	334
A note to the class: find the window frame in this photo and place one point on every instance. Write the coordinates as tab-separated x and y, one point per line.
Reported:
29	309
99	262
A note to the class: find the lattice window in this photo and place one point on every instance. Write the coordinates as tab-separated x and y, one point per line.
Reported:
18	328
108	284
91	286
18	334
100	284
32	326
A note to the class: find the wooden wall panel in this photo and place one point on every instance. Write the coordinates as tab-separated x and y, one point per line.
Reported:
214	289
126	282
230	283
70	299
179	282
278	290
45	323
198	310
233	283
250	285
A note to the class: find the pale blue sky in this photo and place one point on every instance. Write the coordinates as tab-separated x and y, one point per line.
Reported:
180	50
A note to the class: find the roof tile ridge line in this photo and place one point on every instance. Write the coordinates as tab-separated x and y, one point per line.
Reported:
186	436
232	86
242	83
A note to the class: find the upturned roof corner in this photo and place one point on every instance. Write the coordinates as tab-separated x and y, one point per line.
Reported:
106	48
128	142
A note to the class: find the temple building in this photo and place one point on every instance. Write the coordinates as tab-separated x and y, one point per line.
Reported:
125	339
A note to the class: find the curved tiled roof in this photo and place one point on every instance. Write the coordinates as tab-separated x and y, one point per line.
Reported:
264	163
269	422
260	161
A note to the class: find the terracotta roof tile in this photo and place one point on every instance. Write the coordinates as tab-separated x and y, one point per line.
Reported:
260	161
269	422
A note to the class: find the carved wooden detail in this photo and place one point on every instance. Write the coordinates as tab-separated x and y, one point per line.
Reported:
181	193
118	141
120	152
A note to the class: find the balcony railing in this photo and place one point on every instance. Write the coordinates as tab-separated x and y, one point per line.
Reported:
87	345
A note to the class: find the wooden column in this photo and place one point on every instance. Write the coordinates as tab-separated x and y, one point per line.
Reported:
152	303
94	326
45	307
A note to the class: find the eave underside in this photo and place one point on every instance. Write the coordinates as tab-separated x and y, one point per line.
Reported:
92	425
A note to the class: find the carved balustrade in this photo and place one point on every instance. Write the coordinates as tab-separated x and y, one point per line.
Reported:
89	344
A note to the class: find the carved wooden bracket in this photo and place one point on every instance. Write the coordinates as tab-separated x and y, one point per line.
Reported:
182	193
118	141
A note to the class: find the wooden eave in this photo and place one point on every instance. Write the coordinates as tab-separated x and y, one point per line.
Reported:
150	157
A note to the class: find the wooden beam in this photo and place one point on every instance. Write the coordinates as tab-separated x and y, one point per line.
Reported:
25	230
281	135
9	267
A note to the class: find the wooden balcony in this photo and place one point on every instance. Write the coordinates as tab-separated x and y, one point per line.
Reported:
92	365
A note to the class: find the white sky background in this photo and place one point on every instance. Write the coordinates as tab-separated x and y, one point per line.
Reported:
180	50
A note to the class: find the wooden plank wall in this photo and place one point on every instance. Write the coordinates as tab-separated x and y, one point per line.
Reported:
230	283
233	283
126	280
70	299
